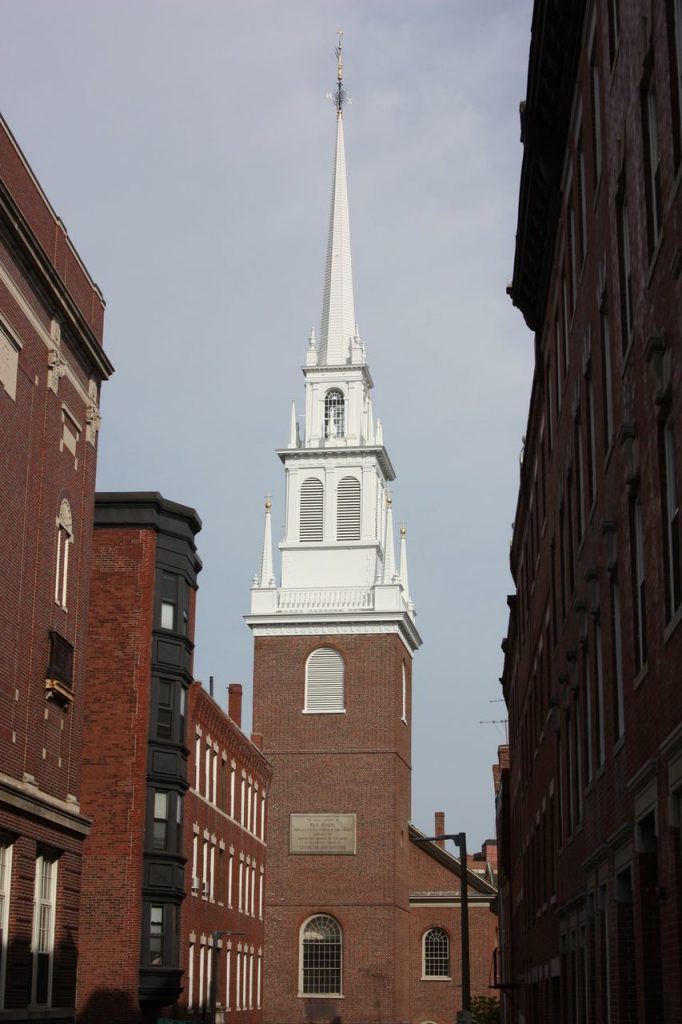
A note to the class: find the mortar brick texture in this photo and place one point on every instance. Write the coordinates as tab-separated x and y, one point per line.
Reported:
202	915
42	278
639	770
357	762
115	760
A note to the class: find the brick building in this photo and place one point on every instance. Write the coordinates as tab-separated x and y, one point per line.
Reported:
333	649
51	368
594	645
225	812
435	962
175	861
139	670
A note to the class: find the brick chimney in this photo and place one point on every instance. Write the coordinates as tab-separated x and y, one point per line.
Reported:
234	703
440	828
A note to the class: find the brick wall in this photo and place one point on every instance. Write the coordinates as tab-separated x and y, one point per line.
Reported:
115	764
357	762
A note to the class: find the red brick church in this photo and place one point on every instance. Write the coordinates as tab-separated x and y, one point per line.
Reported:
362	922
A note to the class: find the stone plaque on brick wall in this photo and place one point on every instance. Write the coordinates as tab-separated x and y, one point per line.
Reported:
322	833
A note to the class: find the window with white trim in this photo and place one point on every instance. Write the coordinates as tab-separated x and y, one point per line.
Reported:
190	977
228	966
230	869
324	683
403	716
9	362
436	954
64	542
321	956
5	888
311	525
334	414
258	983
202	964
237	991
42	946
348	506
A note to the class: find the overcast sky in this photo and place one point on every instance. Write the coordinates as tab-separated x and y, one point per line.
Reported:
188	148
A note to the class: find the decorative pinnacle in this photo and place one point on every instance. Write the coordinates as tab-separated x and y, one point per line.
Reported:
389	499
268	503
340	97
403	530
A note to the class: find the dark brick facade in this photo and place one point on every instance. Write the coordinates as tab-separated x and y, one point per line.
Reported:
225	834
135	755
591	815
51	369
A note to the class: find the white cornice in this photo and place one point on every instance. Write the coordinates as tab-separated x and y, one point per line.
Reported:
311	624
341	454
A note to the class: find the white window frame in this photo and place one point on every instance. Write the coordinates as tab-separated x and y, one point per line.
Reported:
311	511
304	926
228	967
190	977
47	903
403	717
319	702
64	542
5	893
202	964
436	977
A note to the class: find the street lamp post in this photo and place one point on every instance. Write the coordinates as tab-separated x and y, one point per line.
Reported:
215	935
460	840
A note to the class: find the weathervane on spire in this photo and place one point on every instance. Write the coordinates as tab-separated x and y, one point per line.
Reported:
340	97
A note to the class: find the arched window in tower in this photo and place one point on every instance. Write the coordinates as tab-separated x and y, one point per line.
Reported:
321	956
348	509
436	954
334	414
324	682
64	542
312	497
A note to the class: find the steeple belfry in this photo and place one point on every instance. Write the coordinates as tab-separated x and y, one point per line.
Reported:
334	633
337	546
338	326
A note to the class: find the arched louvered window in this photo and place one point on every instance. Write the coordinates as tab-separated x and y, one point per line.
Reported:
436	954
321	956
348	509
334	414
312	495
324	682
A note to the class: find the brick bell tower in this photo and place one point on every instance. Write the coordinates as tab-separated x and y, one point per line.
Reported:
332	686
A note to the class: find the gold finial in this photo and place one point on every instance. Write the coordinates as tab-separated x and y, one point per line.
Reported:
268	503
389	500
403	531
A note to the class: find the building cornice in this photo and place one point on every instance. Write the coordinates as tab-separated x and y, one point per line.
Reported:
27	797
341	454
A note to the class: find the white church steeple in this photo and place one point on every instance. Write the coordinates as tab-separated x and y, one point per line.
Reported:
337	551
338	327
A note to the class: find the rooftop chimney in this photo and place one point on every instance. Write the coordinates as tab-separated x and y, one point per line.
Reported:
440	828
234	703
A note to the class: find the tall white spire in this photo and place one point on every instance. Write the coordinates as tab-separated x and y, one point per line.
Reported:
338	308
403	560
389	543
267	576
